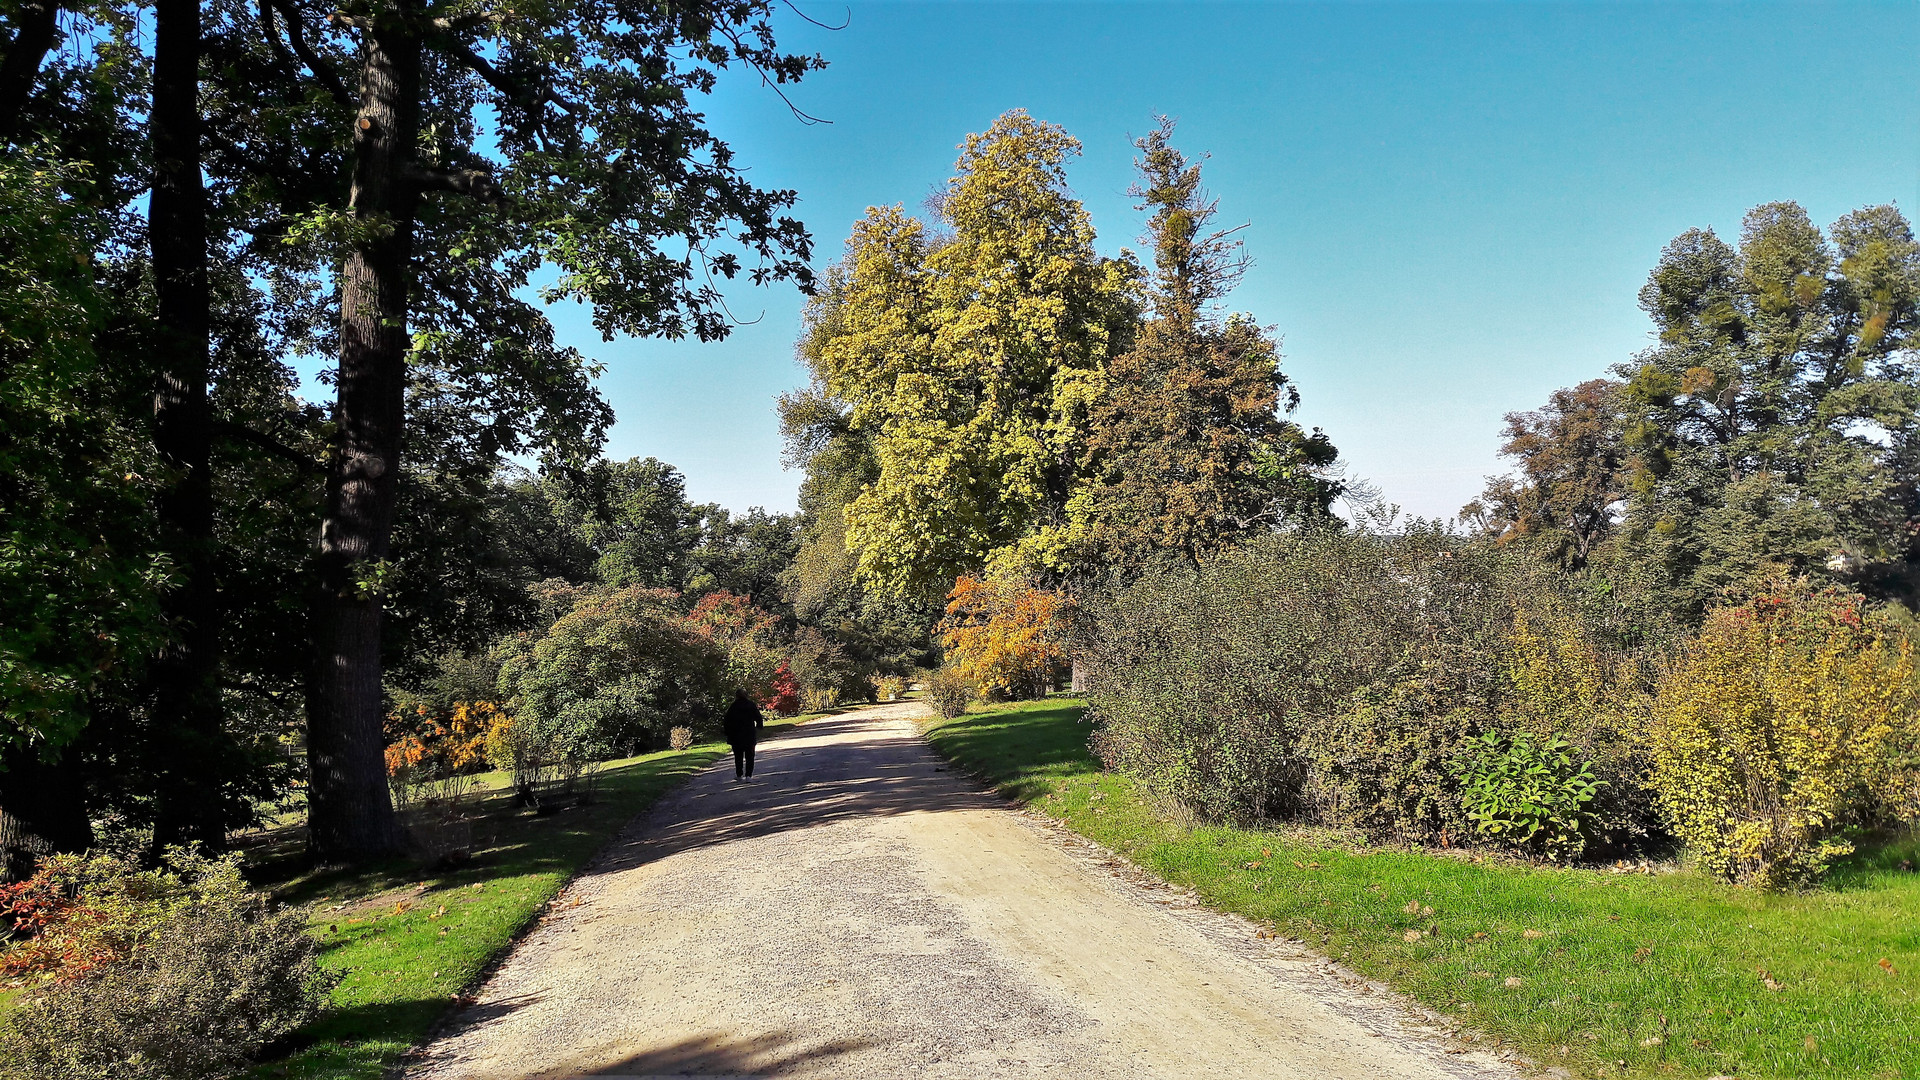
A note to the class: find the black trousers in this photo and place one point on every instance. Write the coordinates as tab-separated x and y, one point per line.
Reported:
743	759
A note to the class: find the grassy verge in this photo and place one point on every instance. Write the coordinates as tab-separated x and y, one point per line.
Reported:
1599	973
407	941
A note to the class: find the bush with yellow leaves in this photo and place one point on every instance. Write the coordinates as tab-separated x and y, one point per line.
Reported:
1784	721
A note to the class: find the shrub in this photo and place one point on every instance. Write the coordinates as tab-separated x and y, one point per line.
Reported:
1254	685
1528	793
680	738
1381	764
890	688
1780	725
200	975
949	692
784	694
609	677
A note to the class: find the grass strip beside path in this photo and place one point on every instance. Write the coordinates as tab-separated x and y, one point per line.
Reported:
408	940
1601	974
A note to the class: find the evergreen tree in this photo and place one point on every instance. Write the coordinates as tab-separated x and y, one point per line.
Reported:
1188	447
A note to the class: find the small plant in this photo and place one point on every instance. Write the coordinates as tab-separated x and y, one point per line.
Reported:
1527	793
680	738
890	688
949	692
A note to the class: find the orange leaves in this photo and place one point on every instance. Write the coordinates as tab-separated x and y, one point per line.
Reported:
1004	637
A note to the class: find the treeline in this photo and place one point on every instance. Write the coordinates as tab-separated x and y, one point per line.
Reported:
1686	619
198	568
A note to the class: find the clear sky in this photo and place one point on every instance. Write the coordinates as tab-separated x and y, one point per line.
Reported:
1451	205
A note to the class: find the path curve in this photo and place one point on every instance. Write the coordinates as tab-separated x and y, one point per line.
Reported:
859	911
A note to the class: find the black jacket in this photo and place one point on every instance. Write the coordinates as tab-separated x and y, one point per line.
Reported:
742	722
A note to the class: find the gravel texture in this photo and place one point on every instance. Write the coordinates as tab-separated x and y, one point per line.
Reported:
857	910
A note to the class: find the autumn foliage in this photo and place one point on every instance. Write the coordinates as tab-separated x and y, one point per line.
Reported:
1004	637
1785	721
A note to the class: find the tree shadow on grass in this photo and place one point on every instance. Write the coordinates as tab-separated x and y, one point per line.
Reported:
1020	751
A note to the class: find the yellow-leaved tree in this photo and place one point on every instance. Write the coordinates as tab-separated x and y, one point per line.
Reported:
965	361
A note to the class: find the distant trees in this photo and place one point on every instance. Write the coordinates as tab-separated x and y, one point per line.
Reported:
1573	473
1773	428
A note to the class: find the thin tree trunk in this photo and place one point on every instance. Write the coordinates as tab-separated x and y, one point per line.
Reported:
186	737
33	37
350	813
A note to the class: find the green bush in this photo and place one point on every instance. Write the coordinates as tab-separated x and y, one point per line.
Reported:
1292	677
211	977
1528	793
1380	765
949	692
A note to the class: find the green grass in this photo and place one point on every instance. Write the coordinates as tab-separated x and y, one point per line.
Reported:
403	959
1607	963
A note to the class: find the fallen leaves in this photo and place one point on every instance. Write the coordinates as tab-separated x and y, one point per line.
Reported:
1886	965
1767	980
1514	982
1531	934
1411	936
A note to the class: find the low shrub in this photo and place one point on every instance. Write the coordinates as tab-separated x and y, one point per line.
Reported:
189	975
890	688
949	692
1528	793
1780	725
1291	676
680	738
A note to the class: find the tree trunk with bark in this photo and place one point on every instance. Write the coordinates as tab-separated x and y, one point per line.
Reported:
40	810
187	740
34	33
350	812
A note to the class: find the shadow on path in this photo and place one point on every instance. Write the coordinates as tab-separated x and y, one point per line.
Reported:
826	771
712	1056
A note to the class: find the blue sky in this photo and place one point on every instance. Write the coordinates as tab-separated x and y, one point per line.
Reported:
1451	205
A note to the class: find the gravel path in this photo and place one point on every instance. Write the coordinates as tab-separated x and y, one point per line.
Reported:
858	911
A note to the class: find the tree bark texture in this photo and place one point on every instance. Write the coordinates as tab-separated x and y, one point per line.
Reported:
350	812
40	810
186	734
33	37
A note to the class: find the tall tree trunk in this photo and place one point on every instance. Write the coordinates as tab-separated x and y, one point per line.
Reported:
186	737
33	36
350	813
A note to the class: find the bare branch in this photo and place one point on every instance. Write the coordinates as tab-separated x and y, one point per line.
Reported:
514	90
744	52
271	445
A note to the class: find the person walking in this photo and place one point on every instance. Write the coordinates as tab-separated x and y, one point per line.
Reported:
742	726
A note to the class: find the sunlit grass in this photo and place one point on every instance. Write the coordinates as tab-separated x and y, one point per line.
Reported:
1619	974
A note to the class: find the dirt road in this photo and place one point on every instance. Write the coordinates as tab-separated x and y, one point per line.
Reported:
858	911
